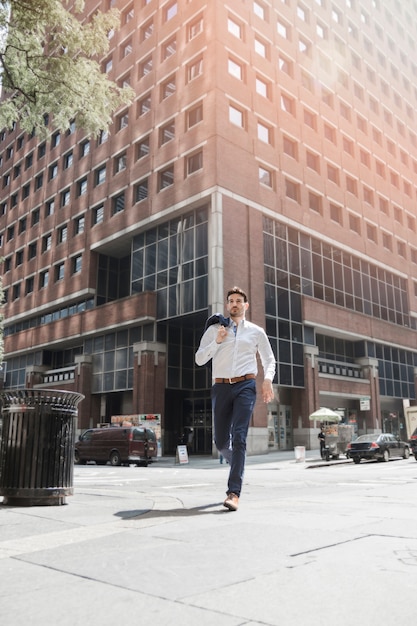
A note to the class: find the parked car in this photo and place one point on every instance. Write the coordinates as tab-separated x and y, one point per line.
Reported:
381	447
116	445
413	443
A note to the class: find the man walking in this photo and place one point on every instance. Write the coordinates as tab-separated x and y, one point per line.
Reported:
233	349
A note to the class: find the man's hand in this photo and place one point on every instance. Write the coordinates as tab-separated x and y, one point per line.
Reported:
221	334
267	391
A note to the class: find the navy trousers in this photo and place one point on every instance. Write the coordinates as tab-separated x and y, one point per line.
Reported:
232	409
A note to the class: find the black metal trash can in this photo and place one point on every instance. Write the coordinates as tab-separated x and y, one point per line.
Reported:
37	446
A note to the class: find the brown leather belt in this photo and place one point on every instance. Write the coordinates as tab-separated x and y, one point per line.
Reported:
236	379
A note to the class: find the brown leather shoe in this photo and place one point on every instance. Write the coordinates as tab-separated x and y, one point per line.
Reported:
231	502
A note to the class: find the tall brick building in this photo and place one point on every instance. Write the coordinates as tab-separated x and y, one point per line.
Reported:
271	144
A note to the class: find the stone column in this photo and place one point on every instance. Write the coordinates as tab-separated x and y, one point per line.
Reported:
149	377
372	418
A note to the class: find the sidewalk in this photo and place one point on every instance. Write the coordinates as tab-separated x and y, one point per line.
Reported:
155	545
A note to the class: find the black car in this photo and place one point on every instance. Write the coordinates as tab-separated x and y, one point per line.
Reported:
381	447
413	443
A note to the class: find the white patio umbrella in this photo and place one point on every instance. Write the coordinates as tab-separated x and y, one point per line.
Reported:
325	415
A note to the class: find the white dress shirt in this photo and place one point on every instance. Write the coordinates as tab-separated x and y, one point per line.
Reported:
236	355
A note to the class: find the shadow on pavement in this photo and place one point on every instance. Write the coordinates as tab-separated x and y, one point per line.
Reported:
154	513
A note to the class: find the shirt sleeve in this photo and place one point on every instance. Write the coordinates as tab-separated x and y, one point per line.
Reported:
267	356
208	346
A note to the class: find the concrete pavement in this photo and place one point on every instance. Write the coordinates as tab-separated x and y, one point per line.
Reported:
154	545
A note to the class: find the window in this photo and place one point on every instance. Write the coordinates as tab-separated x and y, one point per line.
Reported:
59	272
283	29
348	145
285	65
234	28
167	132
387	241
25	191
62	234
264	133
330	133
118	203
29	285
195	69
145	67
292	190
194	115
260	48
290	147
76	264
235	69
79	225
170	11
355	223
313	161
19	257
235	116
169	48
29	161
36	215
102	138
351	185
100	175
362	124
144	105
401	249
120	163
38	181
146	31
23	225
16	291
43	279
32	250
55	139
142	148
46	242
368	195
371	232
141	190
98	214
68	159
42	150
261	87
383	205
195	28
166	178
49	207
168	88
126	49
53	171
122	121
259	10
335	213
333	173
194	162
310	119
365	157
265	176
380	168
85	148
315	202
287	104
65	197
82	187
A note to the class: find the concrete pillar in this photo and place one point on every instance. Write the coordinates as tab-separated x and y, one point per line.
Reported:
372	418
149	377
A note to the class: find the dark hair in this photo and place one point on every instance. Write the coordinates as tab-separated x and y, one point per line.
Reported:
239	291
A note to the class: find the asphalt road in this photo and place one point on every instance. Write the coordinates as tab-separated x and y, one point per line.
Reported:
309	544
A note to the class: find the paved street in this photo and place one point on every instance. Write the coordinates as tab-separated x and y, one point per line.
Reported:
310	544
